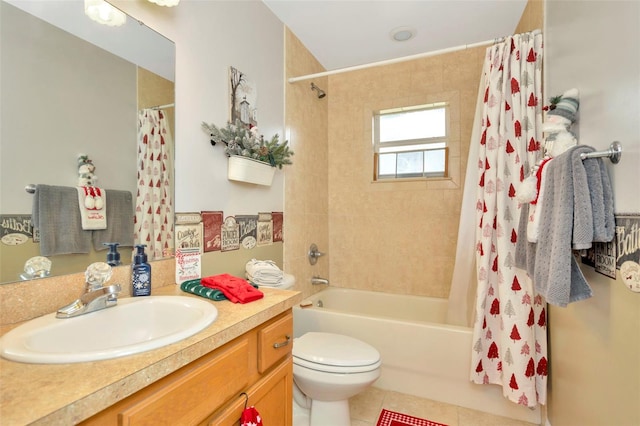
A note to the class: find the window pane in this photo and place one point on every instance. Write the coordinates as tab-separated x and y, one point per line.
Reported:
434	162
387	164
416	147
410	163
427	123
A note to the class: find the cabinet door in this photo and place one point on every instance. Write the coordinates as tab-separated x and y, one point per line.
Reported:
275	342
272	396
187	396
191	398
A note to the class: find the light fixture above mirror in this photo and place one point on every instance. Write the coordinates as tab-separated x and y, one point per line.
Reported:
103	13
166	3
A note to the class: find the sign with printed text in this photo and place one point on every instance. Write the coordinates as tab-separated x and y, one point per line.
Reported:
278	224
628	250
265	229
248	227
627	239
15	229
212	228
230	235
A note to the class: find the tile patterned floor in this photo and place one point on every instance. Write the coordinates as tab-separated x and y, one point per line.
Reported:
366	407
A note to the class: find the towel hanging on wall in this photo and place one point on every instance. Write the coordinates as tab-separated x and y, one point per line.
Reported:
56	216
93	207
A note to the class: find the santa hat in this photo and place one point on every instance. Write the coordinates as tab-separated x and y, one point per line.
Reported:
567	106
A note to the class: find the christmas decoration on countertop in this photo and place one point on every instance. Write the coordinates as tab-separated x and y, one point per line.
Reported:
244	141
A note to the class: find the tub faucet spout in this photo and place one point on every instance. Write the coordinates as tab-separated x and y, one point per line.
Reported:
317	280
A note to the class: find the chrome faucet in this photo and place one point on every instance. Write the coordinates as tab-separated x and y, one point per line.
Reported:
317	280
96	295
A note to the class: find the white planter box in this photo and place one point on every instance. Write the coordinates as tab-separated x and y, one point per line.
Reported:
245	169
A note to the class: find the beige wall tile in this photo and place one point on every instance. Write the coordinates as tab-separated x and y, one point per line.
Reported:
306	183
396	237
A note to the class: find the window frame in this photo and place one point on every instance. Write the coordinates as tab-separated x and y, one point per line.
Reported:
377	145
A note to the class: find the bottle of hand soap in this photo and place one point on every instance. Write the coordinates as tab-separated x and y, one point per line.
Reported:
141	273
113	257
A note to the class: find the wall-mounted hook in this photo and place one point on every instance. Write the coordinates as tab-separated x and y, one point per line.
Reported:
314	254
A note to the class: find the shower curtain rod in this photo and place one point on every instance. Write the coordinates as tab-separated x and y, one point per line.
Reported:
163	106
401	59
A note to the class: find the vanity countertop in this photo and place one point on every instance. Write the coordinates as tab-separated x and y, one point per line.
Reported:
69	393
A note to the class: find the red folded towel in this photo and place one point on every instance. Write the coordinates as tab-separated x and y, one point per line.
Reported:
235	289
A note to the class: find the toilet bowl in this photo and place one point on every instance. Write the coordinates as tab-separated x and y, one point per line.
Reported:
328	369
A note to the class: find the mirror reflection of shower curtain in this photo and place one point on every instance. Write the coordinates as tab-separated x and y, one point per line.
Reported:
154	202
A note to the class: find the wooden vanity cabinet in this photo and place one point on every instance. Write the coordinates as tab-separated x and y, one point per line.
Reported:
255	368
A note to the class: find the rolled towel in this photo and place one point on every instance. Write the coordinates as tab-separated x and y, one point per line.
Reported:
235	289
264	272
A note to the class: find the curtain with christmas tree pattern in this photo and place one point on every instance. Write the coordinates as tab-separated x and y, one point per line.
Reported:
509	343
154	203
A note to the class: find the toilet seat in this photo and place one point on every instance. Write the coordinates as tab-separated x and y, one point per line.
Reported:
334	353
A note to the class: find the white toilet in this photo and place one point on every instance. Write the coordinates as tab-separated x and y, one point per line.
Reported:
328	369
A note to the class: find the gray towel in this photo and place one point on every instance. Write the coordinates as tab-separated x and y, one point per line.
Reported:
601	200
56	215
578	209
120	216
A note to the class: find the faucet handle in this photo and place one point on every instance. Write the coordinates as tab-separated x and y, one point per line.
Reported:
97	274
314	254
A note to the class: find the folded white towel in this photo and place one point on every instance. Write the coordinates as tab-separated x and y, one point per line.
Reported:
264	272
92	204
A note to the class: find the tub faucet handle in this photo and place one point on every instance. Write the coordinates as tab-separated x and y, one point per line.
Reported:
314	254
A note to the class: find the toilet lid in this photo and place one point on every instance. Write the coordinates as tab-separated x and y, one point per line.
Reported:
334	350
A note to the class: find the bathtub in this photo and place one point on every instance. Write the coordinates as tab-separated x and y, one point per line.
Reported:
421	354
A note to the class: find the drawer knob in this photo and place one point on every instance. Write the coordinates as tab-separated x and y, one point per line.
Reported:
281	344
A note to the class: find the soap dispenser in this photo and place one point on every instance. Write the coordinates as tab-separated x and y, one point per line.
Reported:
113	256
141	273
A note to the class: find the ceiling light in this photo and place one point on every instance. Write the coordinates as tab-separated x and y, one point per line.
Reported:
167	3
103	13
402	33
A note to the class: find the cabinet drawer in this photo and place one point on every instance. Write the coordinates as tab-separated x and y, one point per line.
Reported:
275	341
193	396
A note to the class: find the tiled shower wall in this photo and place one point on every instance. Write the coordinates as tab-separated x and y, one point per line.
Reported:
306	190
397	237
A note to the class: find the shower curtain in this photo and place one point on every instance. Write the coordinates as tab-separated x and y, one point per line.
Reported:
509	343
154	203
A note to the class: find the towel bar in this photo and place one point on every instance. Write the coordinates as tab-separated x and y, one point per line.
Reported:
30	188
614	153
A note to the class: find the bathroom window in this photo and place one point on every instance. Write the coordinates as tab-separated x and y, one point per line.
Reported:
411	142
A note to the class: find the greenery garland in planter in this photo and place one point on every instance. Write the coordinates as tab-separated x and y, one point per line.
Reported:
242	141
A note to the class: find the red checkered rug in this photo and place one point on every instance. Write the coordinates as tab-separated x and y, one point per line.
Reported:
391	418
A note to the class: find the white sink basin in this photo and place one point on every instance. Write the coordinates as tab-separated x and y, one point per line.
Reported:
134	325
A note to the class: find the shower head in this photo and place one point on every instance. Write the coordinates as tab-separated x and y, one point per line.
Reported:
321	93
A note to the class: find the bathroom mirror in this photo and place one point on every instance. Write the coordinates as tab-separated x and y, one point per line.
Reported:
72	86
